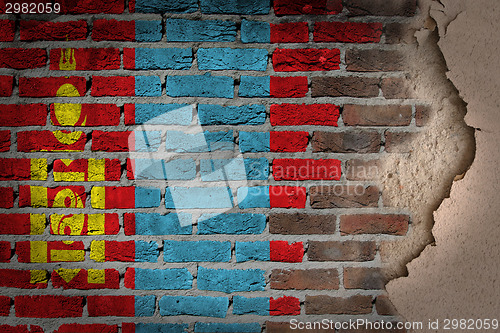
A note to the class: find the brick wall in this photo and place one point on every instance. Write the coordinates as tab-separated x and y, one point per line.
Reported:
209	166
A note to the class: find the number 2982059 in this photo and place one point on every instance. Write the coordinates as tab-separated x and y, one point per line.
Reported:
32	8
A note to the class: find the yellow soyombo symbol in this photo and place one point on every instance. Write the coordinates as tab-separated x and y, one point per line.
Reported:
67	198
67	62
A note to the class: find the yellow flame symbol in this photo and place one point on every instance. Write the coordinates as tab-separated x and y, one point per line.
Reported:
67	62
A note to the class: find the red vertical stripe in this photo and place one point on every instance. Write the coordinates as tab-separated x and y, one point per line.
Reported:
284	306
287	141
287	196
128	58
15	224
129	114
129	223
130	278
119	197
120	251
284	252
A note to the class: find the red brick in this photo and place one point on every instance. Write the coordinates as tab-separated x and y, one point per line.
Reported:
287	141
347	32
91	59
50	141
314	279
15	278
296	60
73	86
341	251
20	328
284	252
90	115
381	7
396	88
343	196
5	251
113	86
92	6
293	86
301	224
304	169
346	142
119	251
345	86
4	141
398	33
87	328
18	58
296	7
362	170
48	306
374	60
5	305
113	30
400	142
63	31
112	141
123	306
6	197
302	114
284	306
363	278
377	115
422	115
374	224
293	32
6	85
287	196
23	115
354	305
7	30
15	169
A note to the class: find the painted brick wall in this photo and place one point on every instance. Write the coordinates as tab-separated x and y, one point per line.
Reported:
207	166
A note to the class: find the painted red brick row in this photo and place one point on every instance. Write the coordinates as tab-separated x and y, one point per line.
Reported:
302	114
6	197
46	30
90	59
50	141
99	306
23	279
296	60
47	306
23	169
92	6
7	30
5	305
287	196
347	32
123	31
6	85
296	7
295	86
87	328
293	32
22	224
73	86
86	279
52	197
112	141
18	58
286	141
21	329
5	251
4	141
304	169
23	115
113	86
84	114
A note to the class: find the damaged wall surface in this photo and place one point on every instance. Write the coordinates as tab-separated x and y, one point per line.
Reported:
457	276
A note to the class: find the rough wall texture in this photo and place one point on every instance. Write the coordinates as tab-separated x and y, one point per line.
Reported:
463	263
210	166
